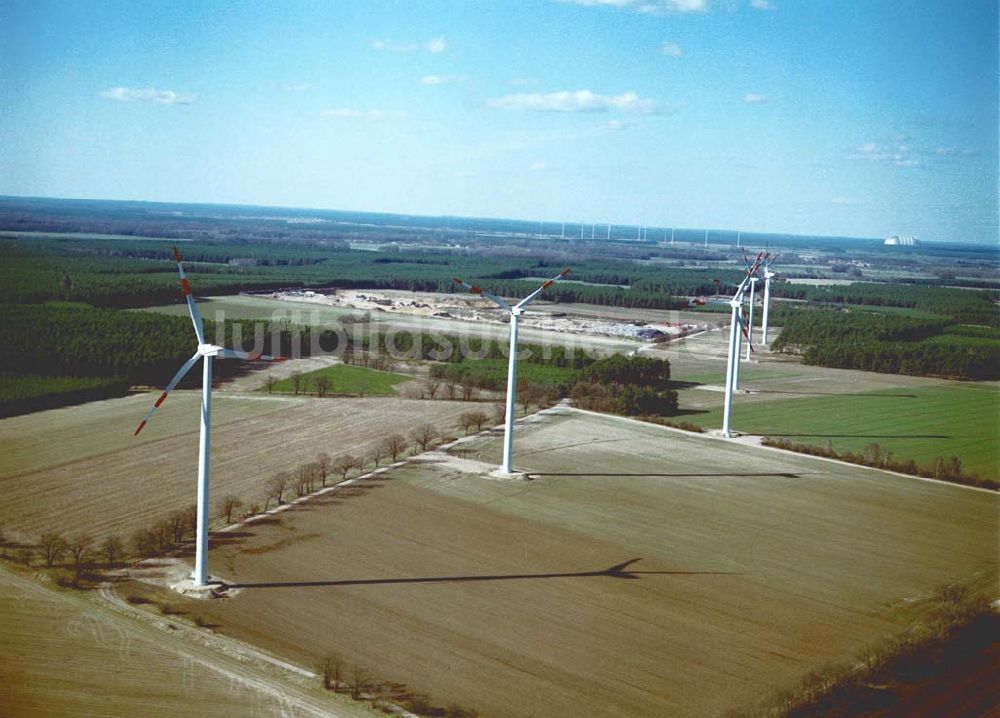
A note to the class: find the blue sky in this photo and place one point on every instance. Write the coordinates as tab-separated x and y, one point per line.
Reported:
856	118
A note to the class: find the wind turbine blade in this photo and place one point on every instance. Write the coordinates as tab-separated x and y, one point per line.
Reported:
245	356
185	368
199	329
548	283
481	292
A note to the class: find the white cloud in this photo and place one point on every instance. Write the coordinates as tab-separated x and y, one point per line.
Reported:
954	152
575	101
897	156
649	7
616	125
351	113
435	46
148	94
440	79
537	166
849	201
671	49
754	99
297	86
763	5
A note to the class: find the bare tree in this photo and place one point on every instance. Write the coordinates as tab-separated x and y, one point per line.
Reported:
451	388
25	555
478	419
270	383
53	546
143	543
332	674
297	380
191	516
423	435
377	454
322	384
164	533
343	465
467	420
432	388
276	487
112	549
499	412
305	477
532	394
80	548
323	465
395	445
359	683
226	506
468	392
178	526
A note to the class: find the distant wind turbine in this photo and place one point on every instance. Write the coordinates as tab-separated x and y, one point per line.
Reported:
736	331
768	276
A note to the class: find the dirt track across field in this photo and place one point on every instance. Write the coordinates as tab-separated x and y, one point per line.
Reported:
68	654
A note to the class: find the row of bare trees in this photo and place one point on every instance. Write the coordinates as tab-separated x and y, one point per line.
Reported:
77	552
80	551
385	696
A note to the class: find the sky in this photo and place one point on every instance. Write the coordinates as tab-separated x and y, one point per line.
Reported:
858	118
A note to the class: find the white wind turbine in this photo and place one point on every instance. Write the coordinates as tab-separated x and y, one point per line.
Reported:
736	326
207	352
515	313
768	276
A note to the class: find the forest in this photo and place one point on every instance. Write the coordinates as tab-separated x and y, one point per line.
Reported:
891	344
67	335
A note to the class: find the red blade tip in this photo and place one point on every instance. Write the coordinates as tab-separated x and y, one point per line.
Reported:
140	428
177	255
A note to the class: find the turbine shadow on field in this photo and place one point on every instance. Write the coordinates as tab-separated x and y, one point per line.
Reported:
834	393
626	475
861	436
619	570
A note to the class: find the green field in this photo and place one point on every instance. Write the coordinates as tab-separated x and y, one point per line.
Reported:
347	379
921	423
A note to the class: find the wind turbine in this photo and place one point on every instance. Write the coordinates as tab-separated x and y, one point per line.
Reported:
736	332
207	352
753	295
768	275
515	313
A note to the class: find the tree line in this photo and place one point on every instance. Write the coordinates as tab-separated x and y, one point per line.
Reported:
891	344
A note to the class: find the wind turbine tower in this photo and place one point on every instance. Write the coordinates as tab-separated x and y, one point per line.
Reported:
515	313
205	352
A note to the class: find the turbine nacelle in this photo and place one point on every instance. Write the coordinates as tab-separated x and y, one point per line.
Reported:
211	350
